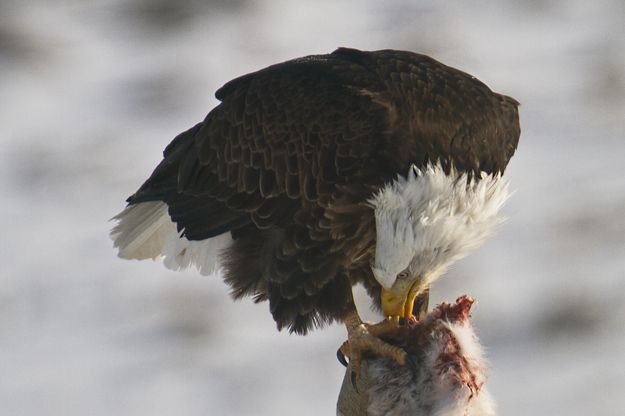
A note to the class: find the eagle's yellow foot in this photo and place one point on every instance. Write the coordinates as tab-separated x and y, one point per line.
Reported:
364	338
388	326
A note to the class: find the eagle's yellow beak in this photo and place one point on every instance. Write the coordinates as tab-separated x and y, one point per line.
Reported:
399	300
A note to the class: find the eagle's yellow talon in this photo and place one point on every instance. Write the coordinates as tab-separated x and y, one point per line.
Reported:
364	338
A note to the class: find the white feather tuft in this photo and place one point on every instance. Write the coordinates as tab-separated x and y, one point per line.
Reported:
145	231
428	220
141	230
180	253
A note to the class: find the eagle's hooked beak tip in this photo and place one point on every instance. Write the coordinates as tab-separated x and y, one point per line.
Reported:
399	302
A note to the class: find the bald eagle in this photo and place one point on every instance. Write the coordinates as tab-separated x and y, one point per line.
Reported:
315	174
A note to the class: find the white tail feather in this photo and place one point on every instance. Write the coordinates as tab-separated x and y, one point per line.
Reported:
180	253
145	231
141	230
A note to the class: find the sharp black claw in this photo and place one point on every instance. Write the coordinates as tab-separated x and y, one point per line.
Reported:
354	381
402	321
341	357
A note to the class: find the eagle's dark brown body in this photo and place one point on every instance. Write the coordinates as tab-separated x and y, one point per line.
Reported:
289	158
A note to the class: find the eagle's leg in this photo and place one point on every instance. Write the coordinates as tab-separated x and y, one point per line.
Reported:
363	338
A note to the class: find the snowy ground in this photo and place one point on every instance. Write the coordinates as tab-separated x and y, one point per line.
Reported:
92	91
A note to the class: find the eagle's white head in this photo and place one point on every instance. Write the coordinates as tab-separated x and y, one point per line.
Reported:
424	223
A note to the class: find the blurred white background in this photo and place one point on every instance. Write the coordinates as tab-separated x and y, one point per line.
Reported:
92	91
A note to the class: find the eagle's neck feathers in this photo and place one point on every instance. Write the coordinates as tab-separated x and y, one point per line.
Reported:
429	219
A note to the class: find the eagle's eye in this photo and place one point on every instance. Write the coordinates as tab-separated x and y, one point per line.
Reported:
403	274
